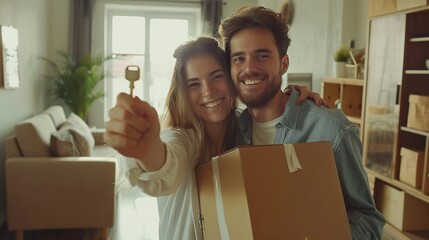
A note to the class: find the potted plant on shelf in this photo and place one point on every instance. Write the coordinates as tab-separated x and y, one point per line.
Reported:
341	56
74	84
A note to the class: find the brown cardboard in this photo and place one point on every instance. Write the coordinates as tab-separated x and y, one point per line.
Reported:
263	200
400	209
411	170
418	112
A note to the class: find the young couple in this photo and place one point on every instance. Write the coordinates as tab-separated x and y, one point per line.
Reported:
203	122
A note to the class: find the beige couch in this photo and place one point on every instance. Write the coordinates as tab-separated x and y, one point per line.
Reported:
59	175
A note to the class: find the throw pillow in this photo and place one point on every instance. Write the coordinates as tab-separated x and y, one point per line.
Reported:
79	142
62	144
82	135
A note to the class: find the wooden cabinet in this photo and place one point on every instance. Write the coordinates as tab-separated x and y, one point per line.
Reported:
397	49
346	94
381	7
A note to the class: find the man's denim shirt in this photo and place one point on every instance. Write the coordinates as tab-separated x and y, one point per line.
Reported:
310	123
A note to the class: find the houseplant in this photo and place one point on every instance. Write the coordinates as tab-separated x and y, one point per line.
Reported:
74	83
341	56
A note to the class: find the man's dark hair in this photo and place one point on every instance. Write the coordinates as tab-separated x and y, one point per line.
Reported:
256	17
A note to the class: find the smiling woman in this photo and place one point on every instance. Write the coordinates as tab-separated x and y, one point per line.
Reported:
201	123
145	34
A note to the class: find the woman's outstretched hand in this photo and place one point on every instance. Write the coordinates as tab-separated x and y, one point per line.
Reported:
305	93
133	130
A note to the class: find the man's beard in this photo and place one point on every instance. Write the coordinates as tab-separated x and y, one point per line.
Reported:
256	101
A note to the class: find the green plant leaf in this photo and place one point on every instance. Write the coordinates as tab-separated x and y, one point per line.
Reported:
74	84
341	54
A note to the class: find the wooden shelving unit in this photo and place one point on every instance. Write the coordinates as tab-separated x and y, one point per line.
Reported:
416	71
385	130
347	93
395	233
419	39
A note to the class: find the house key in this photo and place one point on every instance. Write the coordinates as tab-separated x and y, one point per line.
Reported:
132	74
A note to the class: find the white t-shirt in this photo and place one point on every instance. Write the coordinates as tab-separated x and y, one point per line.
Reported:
174	186
264	133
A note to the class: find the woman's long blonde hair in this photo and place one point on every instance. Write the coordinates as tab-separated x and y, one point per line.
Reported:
179	113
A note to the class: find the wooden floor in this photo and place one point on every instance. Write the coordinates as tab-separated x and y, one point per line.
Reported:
57	234
67	234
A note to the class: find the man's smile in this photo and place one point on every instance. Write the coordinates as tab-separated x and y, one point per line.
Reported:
252	81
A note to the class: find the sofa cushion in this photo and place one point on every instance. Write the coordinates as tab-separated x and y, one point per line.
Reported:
81	139
11	147
63	144
84	135
57	114
34	135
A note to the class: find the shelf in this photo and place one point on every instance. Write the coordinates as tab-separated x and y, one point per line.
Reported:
408	41
391	232
415	131
349	91
417	193
416	71
348	81
420	39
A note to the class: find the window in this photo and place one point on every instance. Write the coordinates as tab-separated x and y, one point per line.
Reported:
146	36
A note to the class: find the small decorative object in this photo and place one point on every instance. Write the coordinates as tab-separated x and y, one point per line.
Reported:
341	56
74	84
427	63
9	68
354	69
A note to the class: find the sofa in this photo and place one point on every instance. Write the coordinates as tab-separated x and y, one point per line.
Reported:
59	175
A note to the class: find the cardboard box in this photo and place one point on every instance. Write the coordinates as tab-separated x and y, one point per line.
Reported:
249	193
402	210
411	170
418	112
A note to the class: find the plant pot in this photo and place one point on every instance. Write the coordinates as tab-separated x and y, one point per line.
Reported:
340	69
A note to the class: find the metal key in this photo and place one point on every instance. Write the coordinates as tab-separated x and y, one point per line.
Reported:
132	74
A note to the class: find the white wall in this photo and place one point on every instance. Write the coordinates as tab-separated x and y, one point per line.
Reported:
231	6
34	22
58	27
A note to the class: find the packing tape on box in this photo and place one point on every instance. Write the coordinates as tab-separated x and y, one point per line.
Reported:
223	228
291	158
293	166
